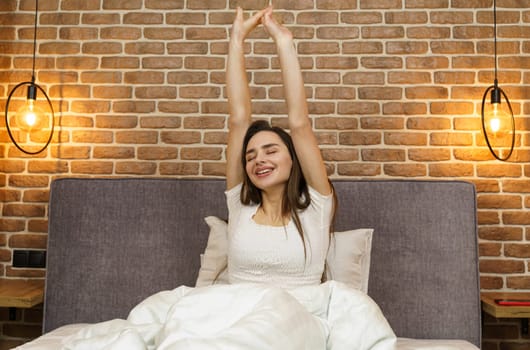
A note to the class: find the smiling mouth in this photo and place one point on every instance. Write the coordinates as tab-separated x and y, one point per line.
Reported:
263	172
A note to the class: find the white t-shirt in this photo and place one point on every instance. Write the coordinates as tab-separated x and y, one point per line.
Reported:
275	255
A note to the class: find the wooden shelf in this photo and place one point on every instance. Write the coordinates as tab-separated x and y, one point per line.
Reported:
489	306
21	293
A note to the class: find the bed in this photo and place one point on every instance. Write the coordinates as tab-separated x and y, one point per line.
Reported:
112	243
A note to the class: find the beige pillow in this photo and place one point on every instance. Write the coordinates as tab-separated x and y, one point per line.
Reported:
214	260
348	259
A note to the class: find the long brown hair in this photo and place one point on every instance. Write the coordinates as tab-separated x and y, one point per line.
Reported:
296	196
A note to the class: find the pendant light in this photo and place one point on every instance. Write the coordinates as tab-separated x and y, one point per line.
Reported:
498	123
35	116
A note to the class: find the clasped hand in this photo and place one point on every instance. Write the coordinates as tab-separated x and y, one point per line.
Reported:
241	27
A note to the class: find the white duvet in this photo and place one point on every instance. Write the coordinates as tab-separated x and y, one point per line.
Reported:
240	316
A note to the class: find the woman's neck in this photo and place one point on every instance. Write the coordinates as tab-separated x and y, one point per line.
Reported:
270	212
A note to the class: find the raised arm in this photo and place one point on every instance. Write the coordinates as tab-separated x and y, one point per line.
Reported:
304	139
238	94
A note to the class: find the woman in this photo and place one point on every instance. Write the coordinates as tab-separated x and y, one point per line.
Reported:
279	197
280	210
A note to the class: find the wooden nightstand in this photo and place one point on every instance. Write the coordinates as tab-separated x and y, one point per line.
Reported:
492	308
20	293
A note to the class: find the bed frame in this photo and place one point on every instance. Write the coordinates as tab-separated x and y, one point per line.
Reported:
113	242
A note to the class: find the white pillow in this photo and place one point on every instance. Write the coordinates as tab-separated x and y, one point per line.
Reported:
214	260
348	259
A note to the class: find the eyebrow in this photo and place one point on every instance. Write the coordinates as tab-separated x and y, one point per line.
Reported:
268	145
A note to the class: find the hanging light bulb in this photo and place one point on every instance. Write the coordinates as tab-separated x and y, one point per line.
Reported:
30	116
498	123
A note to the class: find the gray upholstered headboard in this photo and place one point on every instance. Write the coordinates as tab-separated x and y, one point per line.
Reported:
113	242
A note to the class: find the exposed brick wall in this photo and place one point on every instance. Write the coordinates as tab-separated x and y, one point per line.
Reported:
394	89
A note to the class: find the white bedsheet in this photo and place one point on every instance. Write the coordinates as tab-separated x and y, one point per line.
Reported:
244	316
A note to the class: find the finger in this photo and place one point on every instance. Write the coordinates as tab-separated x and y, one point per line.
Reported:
257	16
239	13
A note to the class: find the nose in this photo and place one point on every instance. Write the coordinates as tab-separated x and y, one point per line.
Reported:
260	157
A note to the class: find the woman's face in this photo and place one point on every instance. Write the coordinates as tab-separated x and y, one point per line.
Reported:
268	162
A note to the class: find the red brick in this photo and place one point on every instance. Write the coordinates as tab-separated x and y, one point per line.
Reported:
405	170
163	33
164	4
318	48
491	201
383	155
358	169
337	33
407	48
144	48
36	196
450	170
186	18
113	152
406	108
213	169
517	250
452	108
28	181
187	77
136	168
78	33
156	92
196	48
499	170
450	139
92	167
99	18
179	168
340	154
364	78
428	32
136	137
133	107
385	123
491	282
518	282
11	225
382	4
488	217
335	5
9	195
405	138
377	93
331	62
162	62
215	138
501	266
180	137
490	249
338	123
202	153
38	225
182	107
431	62
381	62
157	153
500	233
516	217
26	240
406	17
429	155
362	47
